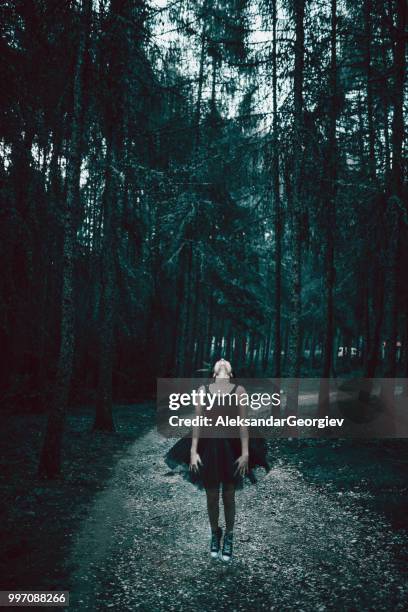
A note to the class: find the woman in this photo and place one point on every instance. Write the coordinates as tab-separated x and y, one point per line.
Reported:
219	462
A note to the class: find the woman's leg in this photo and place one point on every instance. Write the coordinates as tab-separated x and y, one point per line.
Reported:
213	506
228	498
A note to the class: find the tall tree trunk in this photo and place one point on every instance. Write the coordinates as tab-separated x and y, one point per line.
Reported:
190	305
368	71
200	89
50	461
267	347
228	344
189	301
374	352
324	390
116	127
54	192
296	214
367	13
209	330
312	349
366	346
107	308
405	350
385	102
178	322
237	351
197	325
277	205
395	204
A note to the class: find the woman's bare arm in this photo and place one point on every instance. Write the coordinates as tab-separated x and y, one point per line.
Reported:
242	461
194	456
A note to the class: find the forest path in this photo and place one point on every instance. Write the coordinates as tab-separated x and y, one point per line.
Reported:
144	546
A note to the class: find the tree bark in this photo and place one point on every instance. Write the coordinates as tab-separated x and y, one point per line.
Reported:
277	204
324	390
369	87
50	461
296	216
395	204
107	308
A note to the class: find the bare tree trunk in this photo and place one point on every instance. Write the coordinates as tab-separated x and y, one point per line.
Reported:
237	351
405	349
295	302
324	390
370	353
209	335
312	349
240	351
385	104
367	328
277	206
395	203
285	344
197	312
188	301
228	345
114	198
190	296
46	282
336	352
50	461
103	417
267	347
177	329
257	352
200	89
368	70
374	353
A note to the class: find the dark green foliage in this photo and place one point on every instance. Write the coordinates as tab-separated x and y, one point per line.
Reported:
177	205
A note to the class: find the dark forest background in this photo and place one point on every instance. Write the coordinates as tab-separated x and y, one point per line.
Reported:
187	180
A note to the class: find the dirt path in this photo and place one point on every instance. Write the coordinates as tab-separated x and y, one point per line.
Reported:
144	546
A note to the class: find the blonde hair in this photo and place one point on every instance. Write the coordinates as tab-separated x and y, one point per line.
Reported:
222	363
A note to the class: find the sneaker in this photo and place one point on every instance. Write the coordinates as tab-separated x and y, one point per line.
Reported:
216	542
227	547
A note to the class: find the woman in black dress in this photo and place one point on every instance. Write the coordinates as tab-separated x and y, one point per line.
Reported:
219	462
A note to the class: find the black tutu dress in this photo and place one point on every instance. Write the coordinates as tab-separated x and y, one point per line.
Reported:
218	456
